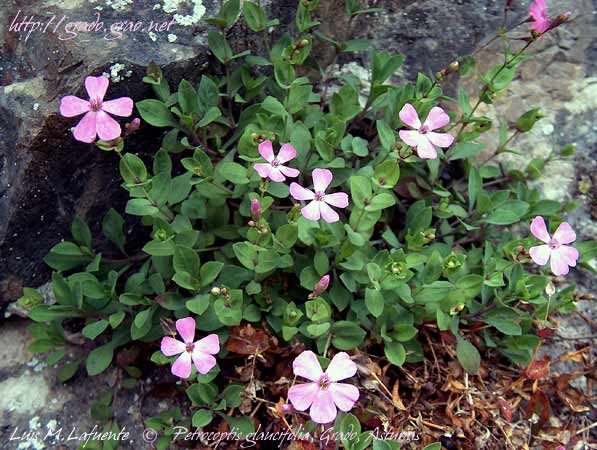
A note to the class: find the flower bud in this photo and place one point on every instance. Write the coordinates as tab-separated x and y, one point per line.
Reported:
321	286
454	67
550	289
133	126
216	291
303	43
256	210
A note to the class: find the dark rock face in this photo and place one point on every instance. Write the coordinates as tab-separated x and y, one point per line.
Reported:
46	177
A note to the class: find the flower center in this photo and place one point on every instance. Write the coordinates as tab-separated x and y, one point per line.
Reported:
95	104
553	244
190	347
275	162
324	382
423	129
319	196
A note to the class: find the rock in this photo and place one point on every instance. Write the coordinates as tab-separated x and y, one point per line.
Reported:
24	394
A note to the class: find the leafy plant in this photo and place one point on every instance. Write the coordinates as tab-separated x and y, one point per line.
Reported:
423	246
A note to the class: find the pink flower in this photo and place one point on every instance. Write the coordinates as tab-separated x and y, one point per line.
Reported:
318	207
561	255
538	12
423	137
323	394
273	169
199	352
96	120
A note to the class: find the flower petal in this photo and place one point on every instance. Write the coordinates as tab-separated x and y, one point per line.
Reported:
442	140
122	106
96	87
558	264
186	328
302	395
266	151
287	152
565	234
341	367
408	115
307	365
323	409
263	169
171	346
107	128
204	362
276	175
321	179
289	171
425	149
410	137
209	344
327	213
339	199
568	254
540	254
437	118
182	367
312	211
85	131
71	106
345	395
300	193
539	229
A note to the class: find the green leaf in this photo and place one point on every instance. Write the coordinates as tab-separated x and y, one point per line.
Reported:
374	301
99	359
468	356
509	213
80	232
187	97
210	271
347	335
112	227
254	16
156	113
219	46
386	135
68	370
186	260
232	172
395	353
464	150
202	418
94	329
387	174
141	207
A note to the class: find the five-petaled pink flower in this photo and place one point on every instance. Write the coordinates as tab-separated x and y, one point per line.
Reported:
538	12
423	137
324	394
562	256
274	168
199	352
96	120
320	201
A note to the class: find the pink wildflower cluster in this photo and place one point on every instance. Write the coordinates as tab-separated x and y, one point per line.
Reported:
318	207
